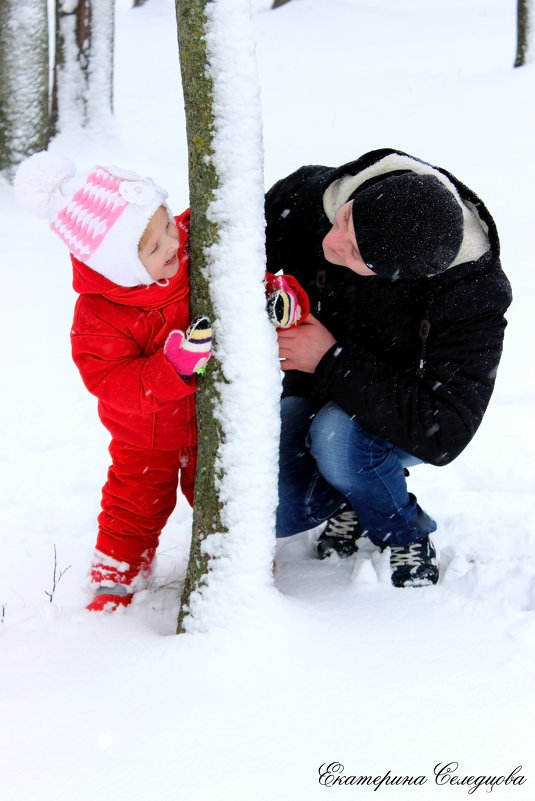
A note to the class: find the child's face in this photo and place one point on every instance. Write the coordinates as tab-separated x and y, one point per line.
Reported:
158	254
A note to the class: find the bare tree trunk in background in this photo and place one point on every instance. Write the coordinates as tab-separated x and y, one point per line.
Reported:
83	69
23	81
525	47
203	180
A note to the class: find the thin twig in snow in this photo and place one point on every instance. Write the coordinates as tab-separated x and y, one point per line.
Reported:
56	576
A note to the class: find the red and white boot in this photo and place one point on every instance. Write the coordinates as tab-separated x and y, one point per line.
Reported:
114	583
108	599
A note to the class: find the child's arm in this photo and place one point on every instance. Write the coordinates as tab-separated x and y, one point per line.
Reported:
115	369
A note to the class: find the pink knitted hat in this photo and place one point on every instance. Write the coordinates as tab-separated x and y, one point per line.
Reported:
101	217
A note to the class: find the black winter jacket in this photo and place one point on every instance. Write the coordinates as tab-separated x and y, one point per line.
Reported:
415	360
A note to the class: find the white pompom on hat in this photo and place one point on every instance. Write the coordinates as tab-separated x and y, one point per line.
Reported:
101	216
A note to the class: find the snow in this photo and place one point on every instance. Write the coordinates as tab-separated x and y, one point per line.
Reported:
332	664
245	338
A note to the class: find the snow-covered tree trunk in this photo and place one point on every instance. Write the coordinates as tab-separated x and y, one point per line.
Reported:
83	67
525	25
197	88
23	81
237	402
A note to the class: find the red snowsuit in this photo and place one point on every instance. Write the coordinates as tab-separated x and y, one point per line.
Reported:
117	338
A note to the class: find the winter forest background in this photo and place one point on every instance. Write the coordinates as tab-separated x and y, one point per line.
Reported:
331	663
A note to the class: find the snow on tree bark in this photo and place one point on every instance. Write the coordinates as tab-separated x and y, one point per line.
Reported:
237	400
23	81
197	89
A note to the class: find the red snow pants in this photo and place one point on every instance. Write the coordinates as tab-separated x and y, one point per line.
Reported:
138	498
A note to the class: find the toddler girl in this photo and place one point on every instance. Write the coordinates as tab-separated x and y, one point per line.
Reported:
130	270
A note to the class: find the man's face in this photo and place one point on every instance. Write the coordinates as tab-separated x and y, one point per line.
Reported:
340	244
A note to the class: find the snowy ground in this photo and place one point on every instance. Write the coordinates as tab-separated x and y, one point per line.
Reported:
334	665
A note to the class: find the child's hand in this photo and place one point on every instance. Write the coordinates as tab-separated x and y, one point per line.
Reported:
286	301
189	352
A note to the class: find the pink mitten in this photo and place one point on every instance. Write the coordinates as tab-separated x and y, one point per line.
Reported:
189	352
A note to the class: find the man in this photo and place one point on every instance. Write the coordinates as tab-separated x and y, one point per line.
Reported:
396	363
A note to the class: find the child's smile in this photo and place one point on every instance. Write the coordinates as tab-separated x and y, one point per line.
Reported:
158	253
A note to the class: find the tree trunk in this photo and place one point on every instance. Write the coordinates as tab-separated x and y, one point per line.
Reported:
230	570
525	44
83	69
23	81
100	86
203	180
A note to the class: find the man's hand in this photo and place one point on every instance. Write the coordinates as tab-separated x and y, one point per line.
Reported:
302	347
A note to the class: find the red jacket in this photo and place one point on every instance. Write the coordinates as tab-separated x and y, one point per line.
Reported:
117	339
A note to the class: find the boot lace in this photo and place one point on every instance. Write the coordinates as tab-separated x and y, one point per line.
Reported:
408	555
343	525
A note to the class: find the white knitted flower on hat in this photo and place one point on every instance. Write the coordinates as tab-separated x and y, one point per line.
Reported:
141	193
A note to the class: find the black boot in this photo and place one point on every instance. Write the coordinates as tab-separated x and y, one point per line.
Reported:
414	565
340	535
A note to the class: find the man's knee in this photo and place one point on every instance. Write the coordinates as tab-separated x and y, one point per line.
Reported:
329	421
329	435
338	444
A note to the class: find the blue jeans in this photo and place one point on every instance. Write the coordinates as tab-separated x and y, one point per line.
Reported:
329	462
